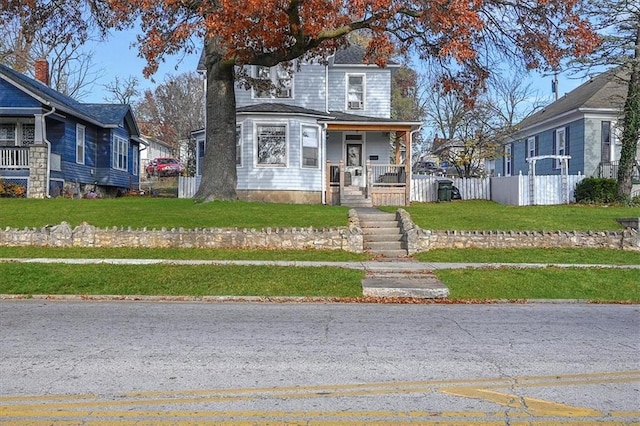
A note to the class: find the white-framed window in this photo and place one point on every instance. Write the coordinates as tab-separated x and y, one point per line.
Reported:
7	134
120	153
136	161
80	143
271	145
507	160
281	80
532	147
238	145
310	147
560	145
355	91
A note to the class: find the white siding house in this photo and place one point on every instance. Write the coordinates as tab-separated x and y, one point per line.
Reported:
322	135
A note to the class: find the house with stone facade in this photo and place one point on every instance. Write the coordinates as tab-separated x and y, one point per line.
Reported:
322	133
54	145
579	133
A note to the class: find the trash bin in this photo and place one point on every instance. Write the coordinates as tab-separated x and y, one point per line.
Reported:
444	190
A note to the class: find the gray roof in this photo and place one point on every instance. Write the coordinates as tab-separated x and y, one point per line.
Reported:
278	108
607	91
105	115
352	55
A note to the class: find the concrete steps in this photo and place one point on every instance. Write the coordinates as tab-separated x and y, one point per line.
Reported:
381	234
353	196
421	285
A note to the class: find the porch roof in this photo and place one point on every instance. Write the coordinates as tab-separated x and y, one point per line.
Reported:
344	121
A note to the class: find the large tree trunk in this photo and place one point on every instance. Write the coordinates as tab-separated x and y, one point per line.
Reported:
219	176
631	130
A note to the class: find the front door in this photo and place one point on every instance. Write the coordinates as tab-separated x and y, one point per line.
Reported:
354	160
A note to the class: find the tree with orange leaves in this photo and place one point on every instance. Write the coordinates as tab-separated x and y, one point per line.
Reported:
465	37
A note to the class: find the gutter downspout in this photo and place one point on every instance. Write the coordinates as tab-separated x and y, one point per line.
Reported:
46	141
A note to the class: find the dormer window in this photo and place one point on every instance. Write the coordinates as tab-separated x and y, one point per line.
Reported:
280	79
355	91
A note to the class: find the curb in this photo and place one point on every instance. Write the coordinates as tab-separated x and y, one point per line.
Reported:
398	300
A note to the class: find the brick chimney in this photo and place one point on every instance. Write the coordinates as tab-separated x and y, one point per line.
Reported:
42	70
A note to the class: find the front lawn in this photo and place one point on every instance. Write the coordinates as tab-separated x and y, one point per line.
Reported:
482	215
140	212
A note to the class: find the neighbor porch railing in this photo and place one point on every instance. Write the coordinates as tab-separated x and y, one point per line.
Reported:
14	158
610	170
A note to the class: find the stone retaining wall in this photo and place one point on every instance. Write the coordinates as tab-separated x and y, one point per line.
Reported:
349	238
85	235
419	240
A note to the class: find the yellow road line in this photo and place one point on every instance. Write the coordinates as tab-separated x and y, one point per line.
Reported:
537	407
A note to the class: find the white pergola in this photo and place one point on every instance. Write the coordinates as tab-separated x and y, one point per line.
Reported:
564	172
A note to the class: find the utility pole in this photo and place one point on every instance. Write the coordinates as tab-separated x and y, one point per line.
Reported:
554	84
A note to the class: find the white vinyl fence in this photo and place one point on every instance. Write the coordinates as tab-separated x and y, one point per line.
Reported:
521	190
188	186
424	188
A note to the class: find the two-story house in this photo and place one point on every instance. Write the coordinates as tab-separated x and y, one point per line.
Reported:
55	145
323	134
580	130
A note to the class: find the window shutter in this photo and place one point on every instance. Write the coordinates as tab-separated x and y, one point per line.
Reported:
537	144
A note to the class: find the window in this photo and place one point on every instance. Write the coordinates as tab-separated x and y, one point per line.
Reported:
605	155
80	143
120	153
560	145
355	91
136	161
507	160
7	134
279	81
239	146
532	146
271	144
310	147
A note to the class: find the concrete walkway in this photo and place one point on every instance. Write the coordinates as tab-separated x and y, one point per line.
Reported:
402	277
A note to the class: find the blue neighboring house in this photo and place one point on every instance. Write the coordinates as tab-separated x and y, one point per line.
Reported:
55	145
584	124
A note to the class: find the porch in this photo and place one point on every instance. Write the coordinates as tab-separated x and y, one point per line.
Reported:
384	184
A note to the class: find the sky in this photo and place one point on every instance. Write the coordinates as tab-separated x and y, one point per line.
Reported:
116	57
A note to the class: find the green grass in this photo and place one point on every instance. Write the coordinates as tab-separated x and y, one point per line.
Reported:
140	212
598	285
486	216
174	280
184	254
532	255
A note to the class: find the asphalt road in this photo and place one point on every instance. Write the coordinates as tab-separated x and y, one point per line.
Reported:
243	363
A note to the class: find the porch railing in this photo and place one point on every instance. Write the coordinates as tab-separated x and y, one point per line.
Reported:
610	170
388	175
14	158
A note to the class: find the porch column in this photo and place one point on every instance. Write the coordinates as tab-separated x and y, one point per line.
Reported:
341	192
38	182
404	137
327	187
38	166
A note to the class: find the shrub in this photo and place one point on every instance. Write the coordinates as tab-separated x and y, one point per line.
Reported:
596	190
12	190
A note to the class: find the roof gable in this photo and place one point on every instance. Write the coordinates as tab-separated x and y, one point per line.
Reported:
104	115
607	91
